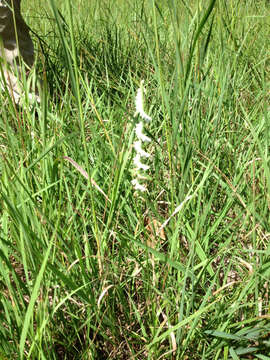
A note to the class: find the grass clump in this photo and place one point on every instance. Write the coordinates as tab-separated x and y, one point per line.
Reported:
91	270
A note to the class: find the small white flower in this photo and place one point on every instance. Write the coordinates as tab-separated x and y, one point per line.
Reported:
139	164
138	186
139	104
142	177
138	148
139	133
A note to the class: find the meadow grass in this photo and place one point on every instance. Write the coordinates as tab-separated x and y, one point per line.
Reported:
90	268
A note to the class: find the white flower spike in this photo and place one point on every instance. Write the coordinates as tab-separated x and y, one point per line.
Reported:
139	104
139	150
139	133
139	166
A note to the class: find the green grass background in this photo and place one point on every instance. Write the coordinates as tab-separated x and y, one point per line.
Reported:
85	275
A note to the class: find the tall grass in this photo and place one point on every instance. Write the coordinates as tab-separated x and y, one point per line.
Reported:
92	270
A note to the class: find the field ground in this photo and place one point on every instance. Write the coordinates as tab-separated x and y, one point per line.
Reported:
91	268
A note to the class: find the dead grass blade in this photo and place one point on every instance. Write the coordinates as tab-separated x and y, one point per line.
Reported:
86	176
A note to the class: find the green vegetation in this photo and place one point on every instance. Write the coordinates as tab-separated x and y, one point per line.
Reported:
90	269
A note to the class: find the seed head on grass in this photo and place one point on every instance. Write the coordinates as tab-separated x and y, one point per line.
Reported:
141	138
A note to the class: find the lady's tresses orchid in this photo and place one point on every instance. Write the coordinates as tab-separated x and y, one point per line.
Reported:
141	138
139	104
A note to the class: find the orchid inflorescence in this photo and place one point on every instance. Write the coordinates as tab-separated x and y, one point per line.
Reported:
141	138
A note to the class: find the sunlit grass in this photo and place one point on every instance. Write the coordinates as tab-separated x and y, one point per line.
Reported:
92	270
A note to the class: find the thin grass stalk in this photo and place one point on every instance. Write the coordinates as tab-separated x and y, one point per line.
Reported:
159	70
196	37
